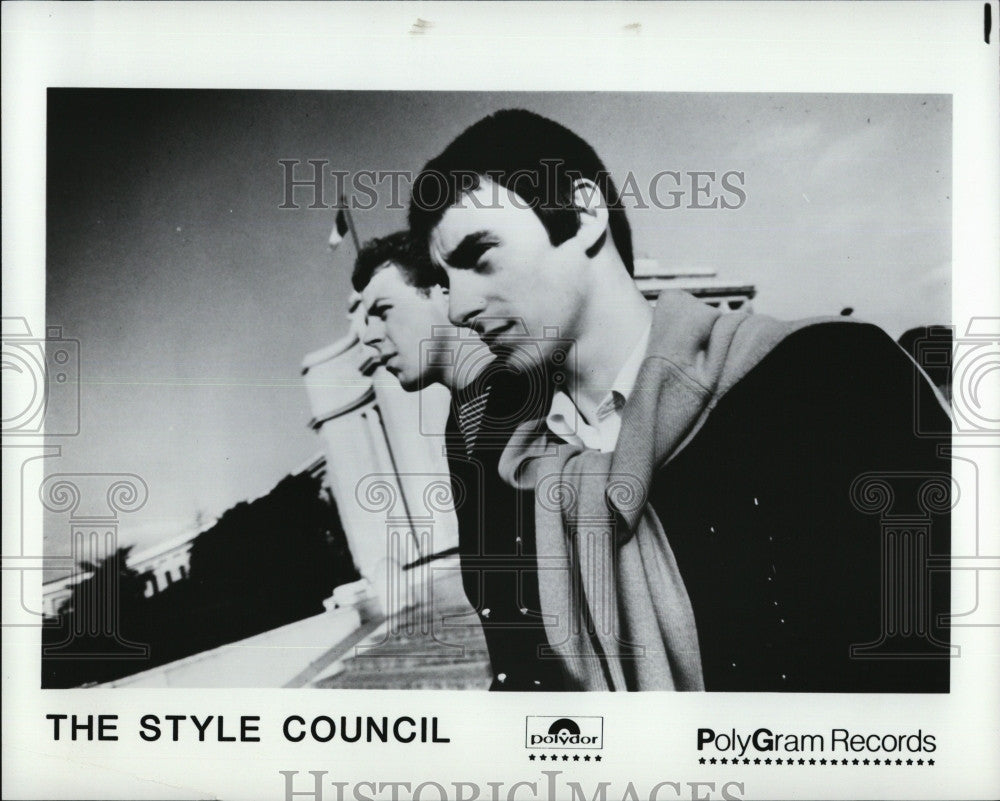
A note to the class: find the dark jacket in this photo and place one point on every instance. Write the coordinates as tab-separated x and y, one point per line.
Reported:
497	543
787	540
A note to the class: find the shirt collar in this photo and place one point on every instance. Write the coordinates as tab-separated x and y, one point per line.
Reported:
624	382
564	418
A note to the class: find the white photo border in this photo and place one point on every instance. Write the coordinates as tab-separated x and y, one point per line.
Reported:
921	47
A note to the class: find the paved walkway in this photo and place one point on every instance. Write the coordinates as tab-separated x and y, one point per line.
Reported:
436	645
271	659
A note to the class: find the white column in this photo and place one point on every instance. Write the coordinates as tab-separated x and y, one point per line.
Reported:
375	442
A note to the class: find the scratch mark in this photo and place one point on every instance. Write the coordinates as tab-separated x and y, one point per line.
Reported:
421	26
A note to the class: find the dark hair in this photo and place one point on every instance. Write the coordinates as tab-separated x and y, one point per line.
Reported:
406	252
531	155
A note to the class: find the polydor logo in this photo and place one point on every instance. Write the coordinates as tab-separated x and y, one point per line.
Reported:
575	732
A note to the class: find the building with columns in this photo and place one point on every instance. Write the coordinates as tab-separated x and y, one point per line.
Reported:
160	565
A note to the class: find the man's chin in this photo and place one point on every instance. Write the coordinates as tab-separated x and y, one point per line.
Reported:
409	384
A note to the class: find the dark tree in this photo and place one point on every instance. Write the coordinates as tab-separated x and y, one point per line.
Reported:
264	564
100	632
270	561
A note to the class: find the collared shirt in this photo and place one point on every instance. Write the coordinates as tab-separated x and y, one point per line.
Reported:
566	422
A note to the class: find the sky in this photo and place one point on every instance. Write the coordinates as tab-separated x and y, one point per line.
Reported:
195	297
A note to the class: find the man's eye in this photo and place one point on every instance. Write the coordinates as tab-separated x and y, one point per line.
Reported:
468	257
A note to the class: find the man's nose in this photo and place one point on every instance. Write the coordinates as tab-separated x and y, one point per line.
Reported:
464	306
372	335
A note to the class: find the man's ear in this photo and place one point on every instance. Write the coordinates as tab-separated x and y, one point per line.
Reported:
593	210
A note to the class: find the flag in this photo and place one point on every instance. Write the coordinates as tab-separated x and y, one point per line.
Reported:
340	229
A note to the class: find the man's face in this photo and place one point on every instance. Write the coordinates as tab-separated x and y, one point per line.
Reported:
506	280
397	318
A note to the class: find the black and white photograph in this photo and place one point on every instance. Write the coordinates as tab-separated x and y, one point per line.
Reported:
402	398
567	391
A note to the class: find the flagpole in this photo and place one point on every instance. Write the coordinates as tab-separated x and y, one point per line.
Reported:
350	224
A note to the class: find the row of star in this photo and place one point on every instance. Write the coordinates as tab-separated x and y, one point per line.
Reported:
845	761
565	757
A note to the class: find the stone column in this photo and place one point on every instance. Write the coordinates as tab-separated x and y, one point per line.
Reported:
373	440
345	415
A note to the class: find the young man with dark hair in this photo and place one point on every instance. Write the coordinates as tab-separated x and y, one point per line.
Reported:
575	281
515	148
406	305
404	302
707	477
403	251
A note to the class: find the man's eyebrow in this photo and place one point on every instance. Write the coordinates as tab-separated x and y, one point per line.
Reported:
468	251
374	304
